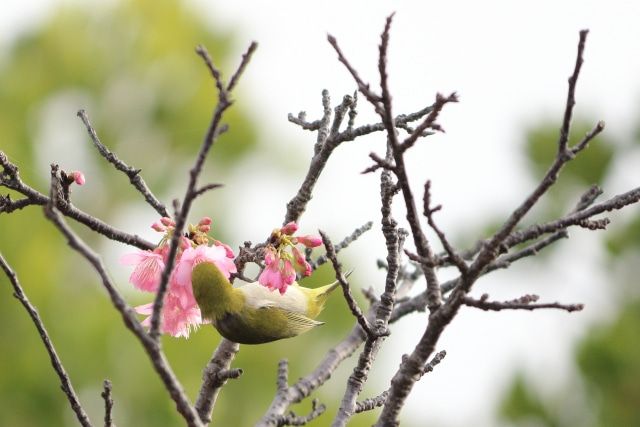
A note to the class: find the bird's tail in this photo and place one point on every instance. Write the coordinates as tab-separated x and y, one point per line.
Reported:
323	292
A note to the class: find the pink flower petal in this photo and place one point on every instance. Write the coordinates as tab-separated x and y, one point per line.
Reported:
149	267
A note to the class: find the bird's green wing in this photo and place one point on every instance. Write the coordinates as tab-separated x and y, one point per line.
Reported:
299	322
266	324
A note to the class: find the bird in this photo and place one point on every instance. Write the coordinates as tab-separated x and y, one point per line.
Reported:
253	314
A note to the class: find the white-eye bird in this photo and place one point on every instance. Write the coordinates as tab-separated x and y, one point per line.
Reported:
253	314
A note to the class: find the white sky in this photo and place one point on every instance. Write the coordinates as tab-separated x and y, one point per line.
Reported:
509	62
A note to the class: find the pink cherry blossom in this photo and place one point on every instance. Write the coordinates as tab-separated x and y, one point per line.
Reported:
277	275
149	267
226	247
193	256
274	278
177	319
180	312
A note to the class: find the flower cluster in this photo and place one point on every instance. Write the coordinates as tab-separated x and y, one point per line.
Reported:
282	257
180	313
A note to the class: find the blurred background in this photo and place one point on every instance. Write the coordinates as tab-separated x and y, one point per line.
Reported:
131	65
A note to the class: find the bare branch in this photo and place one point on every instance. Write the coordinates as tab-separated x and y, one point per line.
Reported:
108	403
65	381
599	127
152	347
429	121
214	376
10	178
133	174
526	302
346	290
455	258
571	100
439	356
531	250
371	403
292	419
344	243
301	121
382	105
191	192
215	73
306	385
7	205
283	376
246	58
575	218
490	251
200	191
363	87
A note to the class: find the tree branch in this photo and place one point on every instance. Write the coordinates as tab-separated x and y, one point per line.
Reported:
133	174
152	347
214	376
56	363
10	178
191	191
108	403
346	290
526	302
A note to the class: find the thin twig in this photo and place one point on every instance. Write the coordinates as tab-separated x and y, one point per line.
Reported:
346	290
133	174
490	251
454	257
246	58
371	403
65	381
344	243
439	356
301	121
214	130
526	302
108	403
10	178
571	97
383	107
208	187
291	419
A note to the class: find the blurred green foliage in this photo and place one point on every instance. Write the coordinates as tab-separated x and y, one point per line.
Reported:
131	66
607	392
609	360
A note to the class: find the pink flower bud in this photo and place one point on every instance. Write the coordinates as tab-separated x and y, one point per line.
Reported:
167	221
205	221
204	228
157	226
309	241
290	228
78	177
